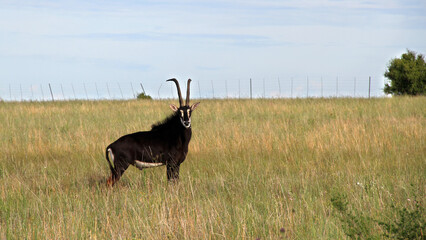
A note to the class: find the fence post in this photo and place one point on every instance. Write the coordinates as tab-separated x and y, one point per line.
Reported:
307	87
322	92
62	90
158	92
73	91
42	93
133	91
143	90
251	92
97	92
239	89
226	87
199	88
212	88
337	86
122	97
87	96
20	87
291	88
369	86
51	93
109	94
354	86
279	88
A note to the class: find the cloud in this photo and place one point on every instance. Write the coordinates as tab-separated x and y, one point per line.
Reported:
210	38
45	62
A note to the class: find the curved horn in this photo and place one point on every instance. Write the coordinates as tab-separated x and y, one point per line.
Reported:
178	90
187	93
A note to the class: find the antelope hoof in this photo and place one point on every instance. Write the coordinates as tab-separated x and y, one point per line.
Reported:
110	182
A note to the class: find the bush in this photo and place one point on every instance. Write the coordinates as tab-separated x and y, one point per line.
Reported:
354	223
408	224
143	96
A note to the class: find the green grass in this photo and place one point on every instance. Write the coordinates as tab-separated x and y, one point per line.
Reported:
256	169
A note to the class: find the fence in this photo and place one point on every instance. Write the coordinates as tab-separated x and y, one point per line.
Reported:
292	87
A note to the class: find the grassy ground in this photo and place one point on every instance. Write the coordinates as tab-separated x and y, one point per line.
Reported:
265	169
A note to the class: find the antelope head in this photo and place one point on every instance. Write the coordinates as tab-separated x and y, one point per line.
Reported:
184	111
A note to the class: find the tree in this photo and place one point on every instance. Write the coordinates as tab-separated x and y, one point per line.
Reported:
407	75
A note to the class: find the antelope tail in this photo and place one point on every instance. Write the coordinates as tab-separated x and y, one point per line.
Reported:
107	153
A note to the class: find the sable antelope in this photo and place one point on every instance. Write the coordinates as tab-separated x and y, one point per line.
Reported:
165	144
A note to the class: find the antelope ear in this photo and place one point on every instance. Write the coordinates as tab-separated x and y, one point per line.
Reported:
173	107
194	106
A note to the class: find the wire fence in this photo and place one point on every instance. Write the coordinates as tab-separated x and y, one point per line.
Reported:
307	87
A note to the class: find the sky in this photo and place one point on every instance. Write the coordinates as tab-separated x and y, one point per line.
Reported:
289	48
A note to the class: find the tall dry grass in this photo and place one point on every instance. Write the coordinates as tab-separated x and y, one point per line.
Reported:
255	169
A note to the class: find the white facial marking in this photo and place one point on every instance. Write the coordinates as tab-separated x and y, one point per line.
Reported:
183	123
181	113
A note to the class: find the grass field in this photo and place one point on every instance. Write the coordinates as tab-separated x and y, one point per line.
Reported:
267	169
